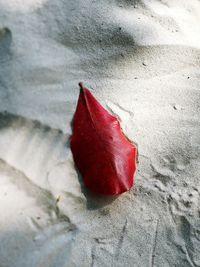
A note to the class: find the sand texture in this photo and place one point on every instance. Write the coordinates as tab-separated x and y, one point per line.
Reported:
141	60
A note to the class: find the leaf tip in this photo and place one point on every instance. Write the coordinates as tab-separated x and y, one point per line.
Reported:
83	90
81	85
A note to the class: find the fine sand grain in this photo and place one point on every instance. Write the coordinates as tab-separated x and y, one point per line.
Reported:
141	59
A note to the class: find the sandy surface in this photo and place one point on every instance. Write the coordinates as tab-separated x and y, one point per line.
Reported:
141	60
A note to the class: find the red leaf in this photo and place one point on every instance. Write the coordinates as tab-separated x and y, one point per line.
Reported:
104	156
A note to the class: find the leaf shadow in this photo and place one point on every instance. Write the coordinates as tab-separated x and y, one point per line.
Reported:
94	201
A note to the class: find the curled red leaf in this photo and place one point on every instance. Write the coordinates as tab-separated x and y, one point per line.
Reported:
104	156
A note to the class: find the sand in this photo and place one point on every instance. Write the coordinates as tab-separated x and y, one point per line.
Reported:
141	60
